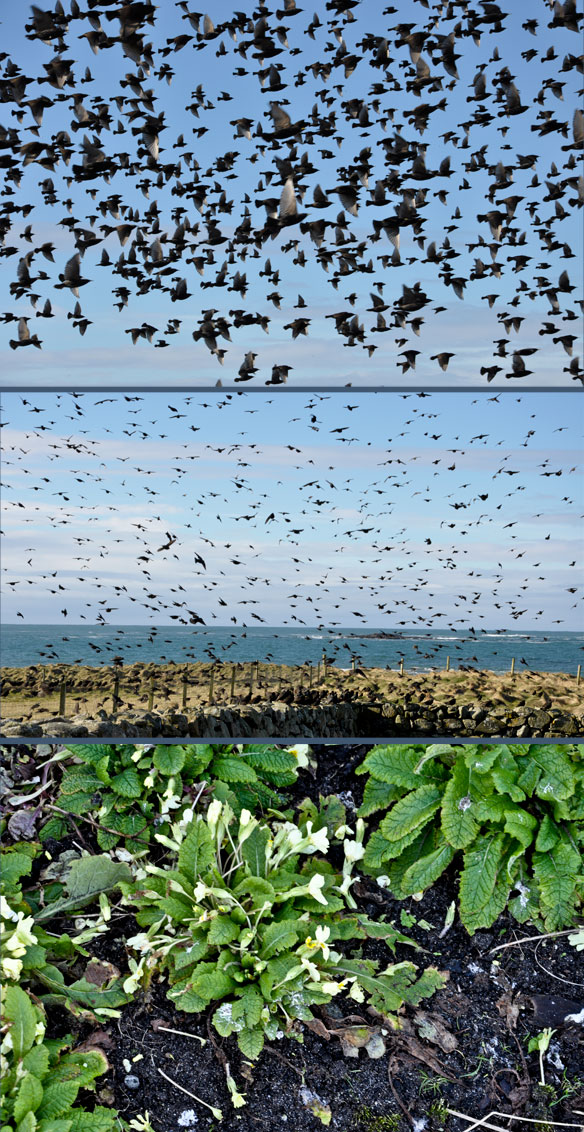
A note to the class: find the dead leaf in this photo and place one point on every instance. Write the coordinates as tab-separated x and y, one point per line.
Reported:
98	1039
99	972
318	1028
431	1027
22	825
508	1009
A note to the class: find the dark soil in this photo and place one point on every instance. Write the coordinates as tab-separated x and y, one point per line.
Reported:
464	1049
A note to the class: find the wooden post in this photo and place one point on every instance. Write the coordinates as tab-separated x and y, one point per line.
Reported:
251	679
353	663
151	694
257	663
279	680
300	673
512	666
401	666
232	693
116	692
448	664
324	666
185	685
62	698
310	676
578	675
211	682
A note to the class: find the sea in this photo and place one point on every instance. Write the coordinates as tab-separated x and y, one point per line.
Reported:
420	650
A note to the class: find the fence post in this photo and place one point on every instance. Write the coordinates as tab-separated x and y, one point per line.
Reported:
448	664
151	694
324	666
512	666
116	692
251	679
184	691
62	697
211	683
578	674
232	693
401	666
353	663
310	677
279	680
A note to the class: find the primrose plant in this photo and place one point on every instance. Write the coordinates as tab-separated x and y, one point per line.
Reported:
248	920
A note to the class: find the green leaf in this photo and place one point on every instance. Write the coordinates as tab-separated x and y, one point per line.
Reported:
90	752
377	850
127	783
14	866
58	1125
79	780
520	825
483	884
82	1068
86	879
100	1120
251	1043
458	823
37	1060
556	782
480	759
55	827
169	760
271	759
222	930
23	1017
28	1098
259	889
211	984
556	872
252	1004
411	812
233	770
280	935
423	872
377	796
394	765
254	850
196	853
548	835
57	1099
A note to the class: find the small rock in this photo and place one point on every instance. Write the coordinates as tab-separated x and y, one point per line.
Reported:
131	1081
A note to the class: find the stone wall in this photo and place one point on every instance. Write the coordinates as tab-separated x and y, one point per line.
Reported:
323	721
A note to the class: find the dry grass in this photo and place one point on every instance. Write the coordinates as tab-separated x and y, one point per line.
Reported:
29	692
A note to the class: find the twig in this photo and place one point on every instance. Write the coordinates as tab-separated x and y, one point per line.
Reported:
529	939
397	1099
216	1111
482	1123
185	1034
276	1053
560	978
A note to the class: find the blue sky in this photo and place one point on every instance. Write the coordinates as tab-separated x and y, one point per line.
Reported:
447	504
469	328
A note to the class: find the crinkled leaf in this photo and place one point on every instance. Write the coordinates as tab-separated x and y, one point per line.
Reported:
28	1097
254	850
521	825
251	1043
393	764
548	835
232	769
457	818
196	853
556	780
127	783
57	1099
411	813
222	931
423	872
483	883
86	879
279	936
169	759
377	796
23	1017
555	872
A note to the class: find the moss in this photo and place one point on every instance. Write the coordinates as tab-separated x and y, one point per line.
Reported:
377	1122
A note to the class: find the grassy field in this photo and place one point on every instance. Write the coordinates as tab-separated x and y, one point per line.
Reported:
34	692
